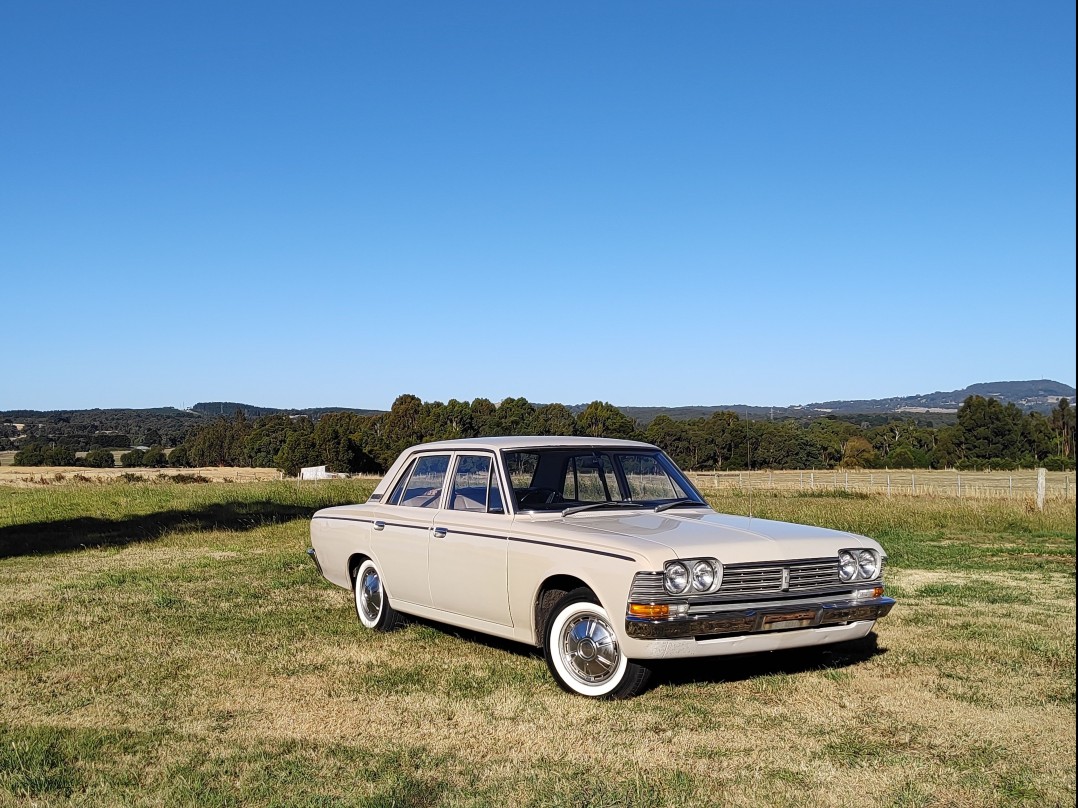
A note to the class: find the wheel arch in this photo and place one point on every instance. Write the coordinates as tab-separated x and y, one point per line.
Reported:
550	591
354	561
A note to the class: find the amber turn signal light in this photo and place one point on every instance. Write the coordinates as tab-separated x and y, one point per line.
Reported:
649	609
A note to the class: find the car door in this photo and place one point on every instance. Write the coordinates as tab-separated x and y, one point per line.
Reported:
403	525
469	543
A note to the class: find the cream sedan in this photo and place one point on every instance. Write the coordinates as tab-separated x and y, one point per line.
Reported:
598	551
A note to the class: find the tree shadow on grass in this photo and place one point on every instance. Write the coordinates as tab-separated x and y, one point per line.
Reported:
90	531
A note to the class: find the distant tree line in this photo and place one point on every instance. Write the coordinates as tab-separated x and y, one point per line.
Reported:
986	435
83	429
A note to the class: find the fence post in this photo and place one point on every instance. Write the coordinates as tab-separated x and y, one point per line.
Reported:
812	480
1010	487
847	483
913	483
1040	489
959	484
888	485
802	486
740	482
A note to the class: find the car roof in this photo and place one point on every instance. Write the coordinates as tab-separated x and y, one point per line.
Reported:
528	442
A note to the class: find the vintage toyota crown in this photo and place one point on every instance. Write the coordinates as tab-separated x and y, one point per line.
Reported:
599	551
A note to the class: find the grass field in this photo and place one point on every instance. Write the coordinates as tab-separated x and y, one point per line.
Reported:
191	655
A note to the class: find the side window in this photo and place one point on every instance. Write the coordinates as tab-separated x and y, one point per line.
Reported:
593	478
647	479
521	466
424	488
470	484
494	498
395	497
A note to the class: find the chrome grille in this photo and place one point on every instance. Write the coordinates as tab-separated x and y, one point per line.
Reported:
648	587
752	581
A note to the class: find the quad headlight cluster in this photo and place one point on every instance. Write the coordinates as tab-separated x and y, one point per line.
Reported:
858	565
692	575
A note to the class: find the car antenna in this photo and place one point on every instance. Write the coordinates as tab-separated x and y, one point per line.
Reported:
748	457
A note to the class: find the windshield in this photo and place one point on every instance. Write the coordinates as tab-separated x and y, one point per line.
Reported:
559	479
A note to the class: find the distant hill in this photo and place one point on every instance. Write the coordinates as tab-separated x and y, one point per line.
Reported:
170	425
228	408
120	428
1039	395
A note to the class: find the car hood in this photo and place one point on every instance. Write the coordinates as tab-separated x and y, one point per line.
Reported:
696	533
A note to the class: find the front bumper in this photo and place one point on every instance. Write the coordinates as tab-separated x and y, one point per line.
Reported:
759	619
314	557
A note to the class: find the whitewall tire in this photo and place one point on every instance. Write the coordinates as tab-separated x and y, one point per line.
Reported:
372	603
583	653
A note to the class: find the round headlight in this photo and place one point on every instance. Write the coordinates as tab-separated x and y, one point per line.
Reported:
868	565
847	566
703	576
676	578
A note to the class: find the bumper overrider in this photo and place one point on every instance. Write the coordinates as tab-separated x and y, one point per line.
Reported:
757	618
311	554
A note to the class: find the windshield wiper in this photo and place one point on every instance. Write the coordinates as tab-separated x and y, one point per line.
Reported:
677	503
593	505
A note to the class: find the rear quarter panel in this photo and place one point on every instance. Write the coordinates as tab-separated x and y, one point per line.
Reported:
336	538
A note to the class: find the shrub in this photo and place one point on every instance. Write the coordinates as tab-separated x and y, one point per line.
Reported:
188	478
132	459
1054	463
179	458
59	456
30	455
99	458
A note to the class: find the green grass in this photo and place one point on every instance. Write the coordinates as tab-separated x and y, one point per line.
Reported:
930	532
170	644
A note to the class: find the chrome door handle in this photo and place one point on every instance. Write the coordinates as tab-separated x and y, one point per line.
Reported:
439	532
379	525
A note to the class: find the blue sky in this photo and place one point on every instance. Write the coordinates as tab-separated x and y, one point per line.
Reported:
666	203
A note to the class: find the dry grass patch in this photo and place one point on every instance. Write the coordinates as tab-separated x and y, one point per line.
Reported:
212	666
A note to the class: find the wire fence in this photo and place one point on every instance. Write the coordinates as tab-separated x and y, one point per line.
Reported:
917	482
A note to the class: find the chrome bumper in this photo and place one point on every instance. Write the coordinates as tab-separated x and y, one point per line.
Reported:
759	619
314	557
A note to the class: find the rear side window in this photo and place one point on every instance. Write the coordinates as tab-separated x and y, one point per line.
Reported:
424	487
470	482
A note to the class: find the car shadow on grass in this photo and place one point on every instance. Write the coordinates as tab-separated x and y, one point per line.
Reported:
742	667
90	531
715	670
513	647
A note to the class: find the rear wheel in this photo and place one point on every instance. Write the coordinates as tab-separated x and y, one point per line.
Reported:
583	654
372	603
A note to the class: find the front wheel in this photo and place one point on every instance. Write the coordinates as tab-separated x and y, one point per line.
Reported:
583	654
372	603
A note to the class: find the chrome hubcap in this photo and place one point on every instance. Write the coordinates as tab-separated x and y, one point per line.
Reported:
370	595
589	649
